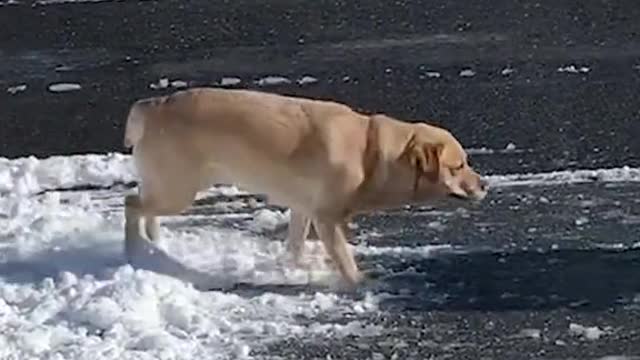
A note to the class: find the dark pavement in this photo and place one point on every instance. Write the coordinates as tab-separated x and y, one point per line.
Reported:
518	261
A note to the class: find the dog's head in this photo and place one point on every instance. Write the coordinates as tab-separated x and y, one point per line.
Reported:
441	167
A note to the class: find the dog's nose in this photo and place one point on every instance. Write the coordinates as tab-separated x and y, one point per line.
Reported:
484	185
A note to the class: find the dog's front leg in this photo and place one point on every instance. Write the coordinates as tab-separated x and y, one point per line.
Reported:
334	239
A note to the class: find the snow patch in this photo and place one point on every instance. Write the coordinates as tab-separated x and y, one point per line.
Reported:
572	69
467	73
25	176
53	2
589	333
507	71
64	87
401	251
272	80
230	81
16	89
432	74
529	333
179	84
307	80
623	174
162	83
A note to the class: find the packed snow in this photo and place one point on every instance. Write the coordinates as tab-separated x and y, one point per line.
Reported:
66	291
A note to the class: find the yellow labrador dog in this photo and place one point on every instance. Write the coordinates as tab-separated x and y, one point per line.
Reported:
321	159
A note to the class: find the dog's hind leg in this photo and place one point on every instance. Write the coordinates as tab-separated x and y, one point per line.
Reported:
133	214
152	227
148	206
298	231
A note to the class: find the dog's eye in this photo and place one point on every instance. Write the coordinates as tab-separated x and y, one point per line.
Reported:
459	167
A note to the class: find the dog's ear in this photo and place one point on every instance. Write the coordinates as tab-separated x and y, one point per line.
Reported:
425	157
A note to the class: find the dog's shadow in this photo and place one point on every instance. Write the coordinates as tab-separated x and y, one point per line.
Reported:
100	259
592	279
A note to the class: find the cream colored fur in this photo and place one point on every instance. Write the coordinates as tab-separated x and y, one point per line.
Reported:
323	160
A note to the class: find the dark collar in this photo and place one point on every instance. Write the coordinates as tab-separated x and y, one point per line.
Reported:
371	155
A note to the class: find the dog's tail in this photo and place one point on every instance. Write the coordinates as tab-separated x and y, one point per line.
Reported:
134	128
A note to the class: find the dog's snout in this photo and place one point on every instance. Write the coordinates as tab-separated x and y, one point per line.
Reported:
484	184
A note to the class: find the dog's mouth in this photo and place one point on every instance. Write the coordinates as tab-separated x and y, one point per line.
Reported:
457	196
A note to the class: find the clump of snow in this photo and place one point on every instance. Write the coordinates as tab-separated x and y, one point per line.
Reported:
506	71
179	84
572	69
589	333
581	221
163	83
230	81
529	333
64	87
16	89
467	73
272	80
265	219
432	74
510	147
307	80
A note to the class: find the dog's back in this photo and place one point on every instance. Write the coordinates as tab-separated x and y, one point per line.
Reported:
263	142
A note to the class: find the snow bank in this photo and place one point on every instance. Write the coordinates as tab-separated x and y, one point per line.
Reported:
66	291
30	175
25	176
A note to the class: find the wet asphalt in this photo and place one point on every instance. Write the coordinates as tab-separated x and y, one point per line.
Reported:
557	80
